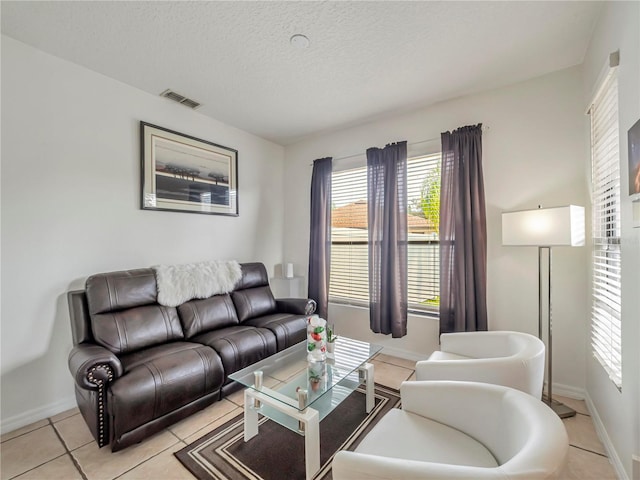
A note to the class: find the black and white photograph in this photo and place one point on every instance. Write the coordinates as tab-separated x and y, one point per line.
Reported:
187	174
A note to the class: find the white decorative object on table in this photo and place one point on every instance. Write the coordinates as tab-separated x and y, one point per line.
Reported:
288	271
316	339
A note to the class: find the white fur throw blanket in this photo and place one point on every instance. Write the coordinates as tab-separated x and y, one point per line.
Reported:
180	283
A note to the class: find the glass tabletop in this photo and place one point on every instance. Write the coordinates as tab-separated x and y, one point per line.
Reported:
324	384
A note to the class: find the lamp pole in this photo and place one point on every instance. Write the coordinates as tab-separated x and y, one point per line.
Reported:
560	408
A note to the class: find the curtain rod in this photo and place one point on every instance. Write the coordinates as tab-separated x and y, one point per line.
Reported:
408	145
484	128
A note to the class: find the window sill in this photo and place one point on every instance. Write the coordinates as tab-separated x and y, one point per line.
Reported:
413	313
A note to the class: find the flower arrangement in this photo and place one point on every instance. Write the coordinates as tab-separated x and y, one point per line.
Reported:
331	333
316	339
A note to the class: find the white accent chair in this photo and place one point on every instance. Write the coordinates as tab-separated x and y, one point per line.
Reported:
511	359
459	430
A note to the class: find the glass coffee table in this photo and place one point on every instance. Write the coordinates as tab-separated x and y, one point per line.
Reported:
298	394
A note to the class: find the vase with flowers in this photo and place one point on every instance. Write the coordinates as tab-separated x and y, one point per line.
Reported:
316	339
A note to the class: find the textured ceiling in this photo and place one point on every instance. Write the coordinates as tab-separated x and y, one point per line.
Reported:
366	59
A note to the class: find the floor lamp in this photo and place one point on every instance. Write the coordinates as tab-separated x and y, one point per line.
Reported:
545	228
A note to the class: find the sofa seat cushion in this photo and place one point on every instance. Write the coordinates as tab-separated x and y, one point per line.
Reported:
438	355
424	440
133	360
288	329
161	379
239	346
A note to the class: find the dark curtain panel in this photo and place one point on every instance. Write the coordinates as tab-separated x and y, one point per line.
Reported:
463	233
387	223
320	235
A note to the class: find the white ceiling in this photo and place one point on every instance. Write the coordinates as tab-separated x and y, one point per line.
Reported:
366	60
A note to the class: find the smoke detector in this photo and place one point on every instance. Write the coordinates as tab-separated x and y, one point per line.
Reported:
299	41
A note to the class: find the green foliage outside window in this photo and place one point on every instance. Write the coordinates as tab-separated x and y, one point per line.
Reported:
430	198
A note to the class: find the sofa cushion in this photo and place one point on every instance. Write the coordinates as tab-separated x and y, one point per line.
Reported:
239	346
136	328
131	361
199	316
124	314
288	329
424	440
161	379
253	275
107	292
253	302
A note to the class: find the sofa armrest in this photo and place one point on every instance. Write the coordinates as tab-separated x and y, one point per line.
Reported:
92	366
298	306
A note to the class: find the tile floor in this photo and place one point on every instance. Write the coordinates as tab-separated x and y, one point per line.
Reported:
61	447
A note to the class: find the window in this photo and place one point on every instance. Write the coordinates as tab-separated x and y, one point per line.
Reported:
606	328
349	277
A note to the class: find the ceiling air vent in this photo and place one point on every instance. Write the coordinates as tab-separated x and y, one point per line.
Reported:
176	97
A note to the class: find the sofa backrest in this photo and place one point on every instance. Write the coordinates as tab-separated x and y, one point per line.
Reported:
119	310
124	314
252	296
253	275
211	313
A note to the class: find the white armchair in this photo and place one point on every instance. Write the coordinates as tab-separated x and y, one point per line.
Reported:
459	430
511	359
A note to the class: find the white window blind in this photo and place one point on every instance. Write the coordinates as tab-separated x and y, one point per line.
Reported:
349	276
606	325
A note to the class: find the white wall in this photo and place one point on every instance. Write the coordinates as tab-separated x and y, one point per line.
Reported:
618	413
534	153
71	208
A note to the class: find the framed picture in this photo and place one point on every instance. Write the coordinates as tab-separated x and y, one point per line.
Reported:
187	174
634	159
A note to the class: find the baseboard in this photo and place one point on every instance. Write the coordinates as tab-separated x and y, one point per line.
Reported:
17	421
567	391
606	441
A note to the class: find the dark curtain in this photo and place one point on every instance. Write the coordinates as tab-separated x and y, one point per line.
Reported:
463	233
387	223
320	235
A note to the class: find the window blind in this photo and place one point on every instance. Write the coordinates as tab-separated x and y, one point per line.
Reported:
349	276
606	328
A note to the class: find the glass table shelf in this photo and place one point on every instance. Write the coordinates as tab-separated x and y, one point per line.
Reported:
290	371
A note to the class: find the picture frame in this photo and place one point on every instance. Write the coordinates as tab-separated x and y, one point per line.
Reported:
634	159
181	173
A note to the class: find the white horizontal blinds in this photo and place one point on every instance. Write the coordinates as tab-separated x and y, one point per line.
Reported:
606	337
349	277
423	269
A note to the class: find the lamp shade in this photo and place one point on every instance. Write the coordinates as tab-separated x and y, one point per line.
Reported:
544	227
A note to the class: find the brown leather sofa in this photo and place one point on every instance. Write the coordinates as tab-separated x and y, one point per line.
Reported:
140	366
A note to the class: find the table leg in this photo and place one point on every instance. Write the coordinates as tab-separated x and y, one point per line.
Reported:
250	416
367	371
312	444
